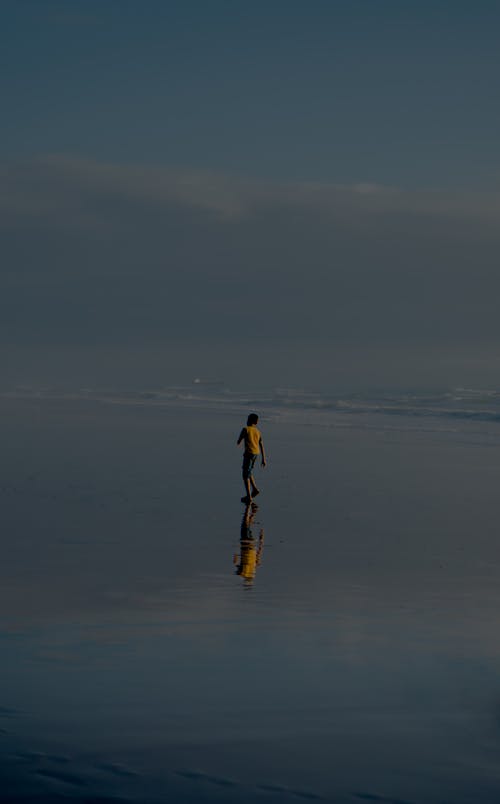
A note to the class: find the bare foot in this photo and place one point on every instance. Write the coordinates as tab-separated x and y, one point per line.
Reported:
255	492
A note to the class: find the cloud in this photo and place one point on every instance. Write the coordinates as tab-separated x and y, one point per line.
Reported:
106	255
62	190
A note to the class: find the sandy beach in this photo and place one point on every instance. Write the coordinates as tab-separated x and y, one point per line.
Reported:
355	658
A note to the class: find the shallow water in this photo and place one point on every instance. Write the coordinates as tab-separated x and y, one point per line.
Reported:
340	646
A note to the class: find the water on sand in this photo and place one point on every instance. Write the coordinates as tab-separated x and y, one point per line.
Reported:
158	642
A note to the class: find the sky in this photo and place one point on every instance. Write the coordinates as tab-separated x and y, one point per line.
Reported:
291	193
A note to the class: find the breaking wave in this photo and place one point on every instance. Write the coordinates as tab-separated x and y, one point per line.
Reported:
456	406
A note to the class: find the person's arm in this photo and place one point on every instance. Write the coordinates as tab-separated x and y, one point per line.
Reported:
241	437
262	452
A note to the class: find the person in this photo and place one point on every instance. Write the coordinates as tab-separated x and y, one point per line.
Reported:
254	446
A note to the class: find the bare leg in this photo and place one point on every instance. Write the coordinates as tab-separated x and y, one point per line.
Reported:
255	490
246	482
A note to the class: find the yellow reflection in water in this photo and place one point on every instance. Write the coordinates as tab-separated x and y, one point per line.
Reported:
250	554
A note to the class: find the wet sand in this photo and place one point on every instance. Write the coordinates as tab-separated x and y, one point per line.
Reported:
340	646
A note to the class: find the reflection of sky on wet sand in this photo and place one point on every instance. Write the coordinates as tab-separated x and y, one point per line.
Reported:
364	661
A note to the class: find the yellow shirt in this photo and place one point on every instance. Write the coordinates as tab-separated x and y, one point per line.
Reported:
252	438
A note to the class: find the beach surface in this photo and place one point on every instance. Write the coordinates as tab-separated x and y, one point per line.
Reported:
339	644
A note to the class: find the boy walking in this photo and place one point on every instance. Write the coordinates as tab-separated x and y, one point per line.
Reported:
254	446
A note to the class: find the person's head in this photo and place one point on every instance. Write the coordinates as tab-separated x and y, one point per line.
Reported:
252	419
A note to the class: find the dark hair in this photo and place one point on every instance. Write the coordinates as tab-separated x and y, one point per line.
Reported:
252	419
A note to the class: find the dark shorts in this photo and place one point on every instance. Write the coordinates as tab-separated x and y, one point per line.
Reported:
248	464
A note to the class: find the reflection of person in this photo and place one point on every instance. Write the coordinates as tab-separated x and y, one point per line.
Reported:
254	446
250	551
